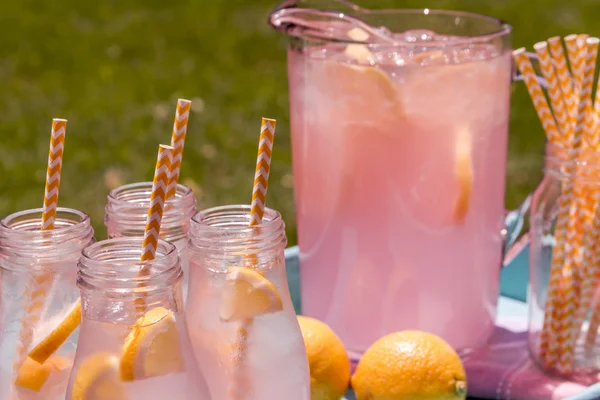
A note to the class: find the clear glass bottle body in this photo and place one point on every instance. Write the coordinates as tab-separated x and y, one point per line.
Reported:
262	357
564	300
37	291
127	208
133	325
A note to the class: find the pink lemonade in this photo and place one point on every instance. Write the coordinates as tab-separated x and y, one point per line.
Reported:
399	159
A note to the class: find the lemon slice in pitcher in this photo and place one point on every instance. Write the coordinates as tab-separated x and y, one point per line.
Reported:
248	294
98	379
152	347
463	171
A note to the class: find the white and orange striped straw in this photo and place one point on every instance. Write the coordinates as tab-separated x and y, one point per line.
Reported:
562	295
238	389
182	114
554	300
39	286
158	197
570	323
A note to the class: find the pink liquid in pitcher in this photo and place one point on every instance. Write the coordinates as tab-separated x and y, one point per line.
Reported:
399	159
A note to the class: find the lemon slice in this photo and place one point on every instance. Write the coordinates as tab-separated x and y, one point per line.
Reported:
33	375
98	379
153	347
57	337
248	294
463	171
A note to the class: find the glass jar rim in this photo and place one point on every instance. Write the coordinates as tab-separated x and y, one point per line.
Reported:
115	264
271	219
116	196
69	223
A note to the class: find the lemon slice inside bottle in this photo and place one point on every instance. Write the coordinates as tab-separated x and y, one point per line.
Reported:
98	379
247	294
33	375
51	343
152	347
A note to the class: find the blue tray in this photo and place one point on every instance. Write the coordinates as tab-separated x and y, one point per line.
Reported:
513	291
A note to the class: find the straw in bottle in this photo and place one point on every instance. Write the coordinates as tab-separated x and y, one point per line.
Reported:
239	384
582	279
548	342
182	114
162	174
39	286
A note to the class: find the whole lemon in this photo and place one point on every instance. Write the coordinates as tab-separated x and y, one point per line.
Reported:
327	359
410	365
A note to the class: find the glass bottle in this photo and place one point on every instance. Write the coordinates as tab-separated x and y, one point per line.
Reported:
125	216
134	342
254	345
37	291
564	300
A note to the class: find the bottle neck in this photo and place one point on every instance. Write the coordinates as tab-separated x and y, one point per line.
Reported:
222	236
24	245
127	209
112	279
567	164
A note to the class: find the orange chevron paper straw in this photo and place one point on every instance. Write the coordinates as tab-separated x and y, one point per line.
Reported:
263	168
557	100
577	65
238	390
162	174
561	68
39	286
585	205
554	299
537	95
182	114
556	330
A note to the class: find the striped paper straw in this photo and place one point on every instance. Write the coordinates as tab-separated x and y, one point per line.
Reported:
565	81
182	114
162	173
39	286
556	98
239	382
537	96
585	207
548	342
559	354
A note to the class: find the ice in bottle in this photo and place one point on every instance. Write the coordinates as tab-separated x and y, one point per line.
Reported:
241	319
134	343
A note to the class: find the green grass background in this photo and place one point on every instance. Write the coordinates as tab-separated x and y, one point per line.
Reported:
114	69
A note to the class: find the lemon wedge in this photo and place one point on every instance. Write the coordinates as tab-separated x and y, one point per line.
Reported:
98	379
248	294
463	171
33	375
51	343
152	347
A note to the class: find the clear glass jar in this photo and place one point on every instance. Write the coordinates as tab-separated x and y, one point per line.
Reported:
564	279
37	284
143	356
126	212
249	347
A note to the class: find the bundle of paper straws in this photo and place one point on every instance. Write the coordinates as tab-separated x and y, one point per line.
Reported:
571	118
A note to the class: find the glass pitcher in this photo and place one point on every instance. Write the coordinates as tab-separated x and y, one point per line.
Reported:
399	124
